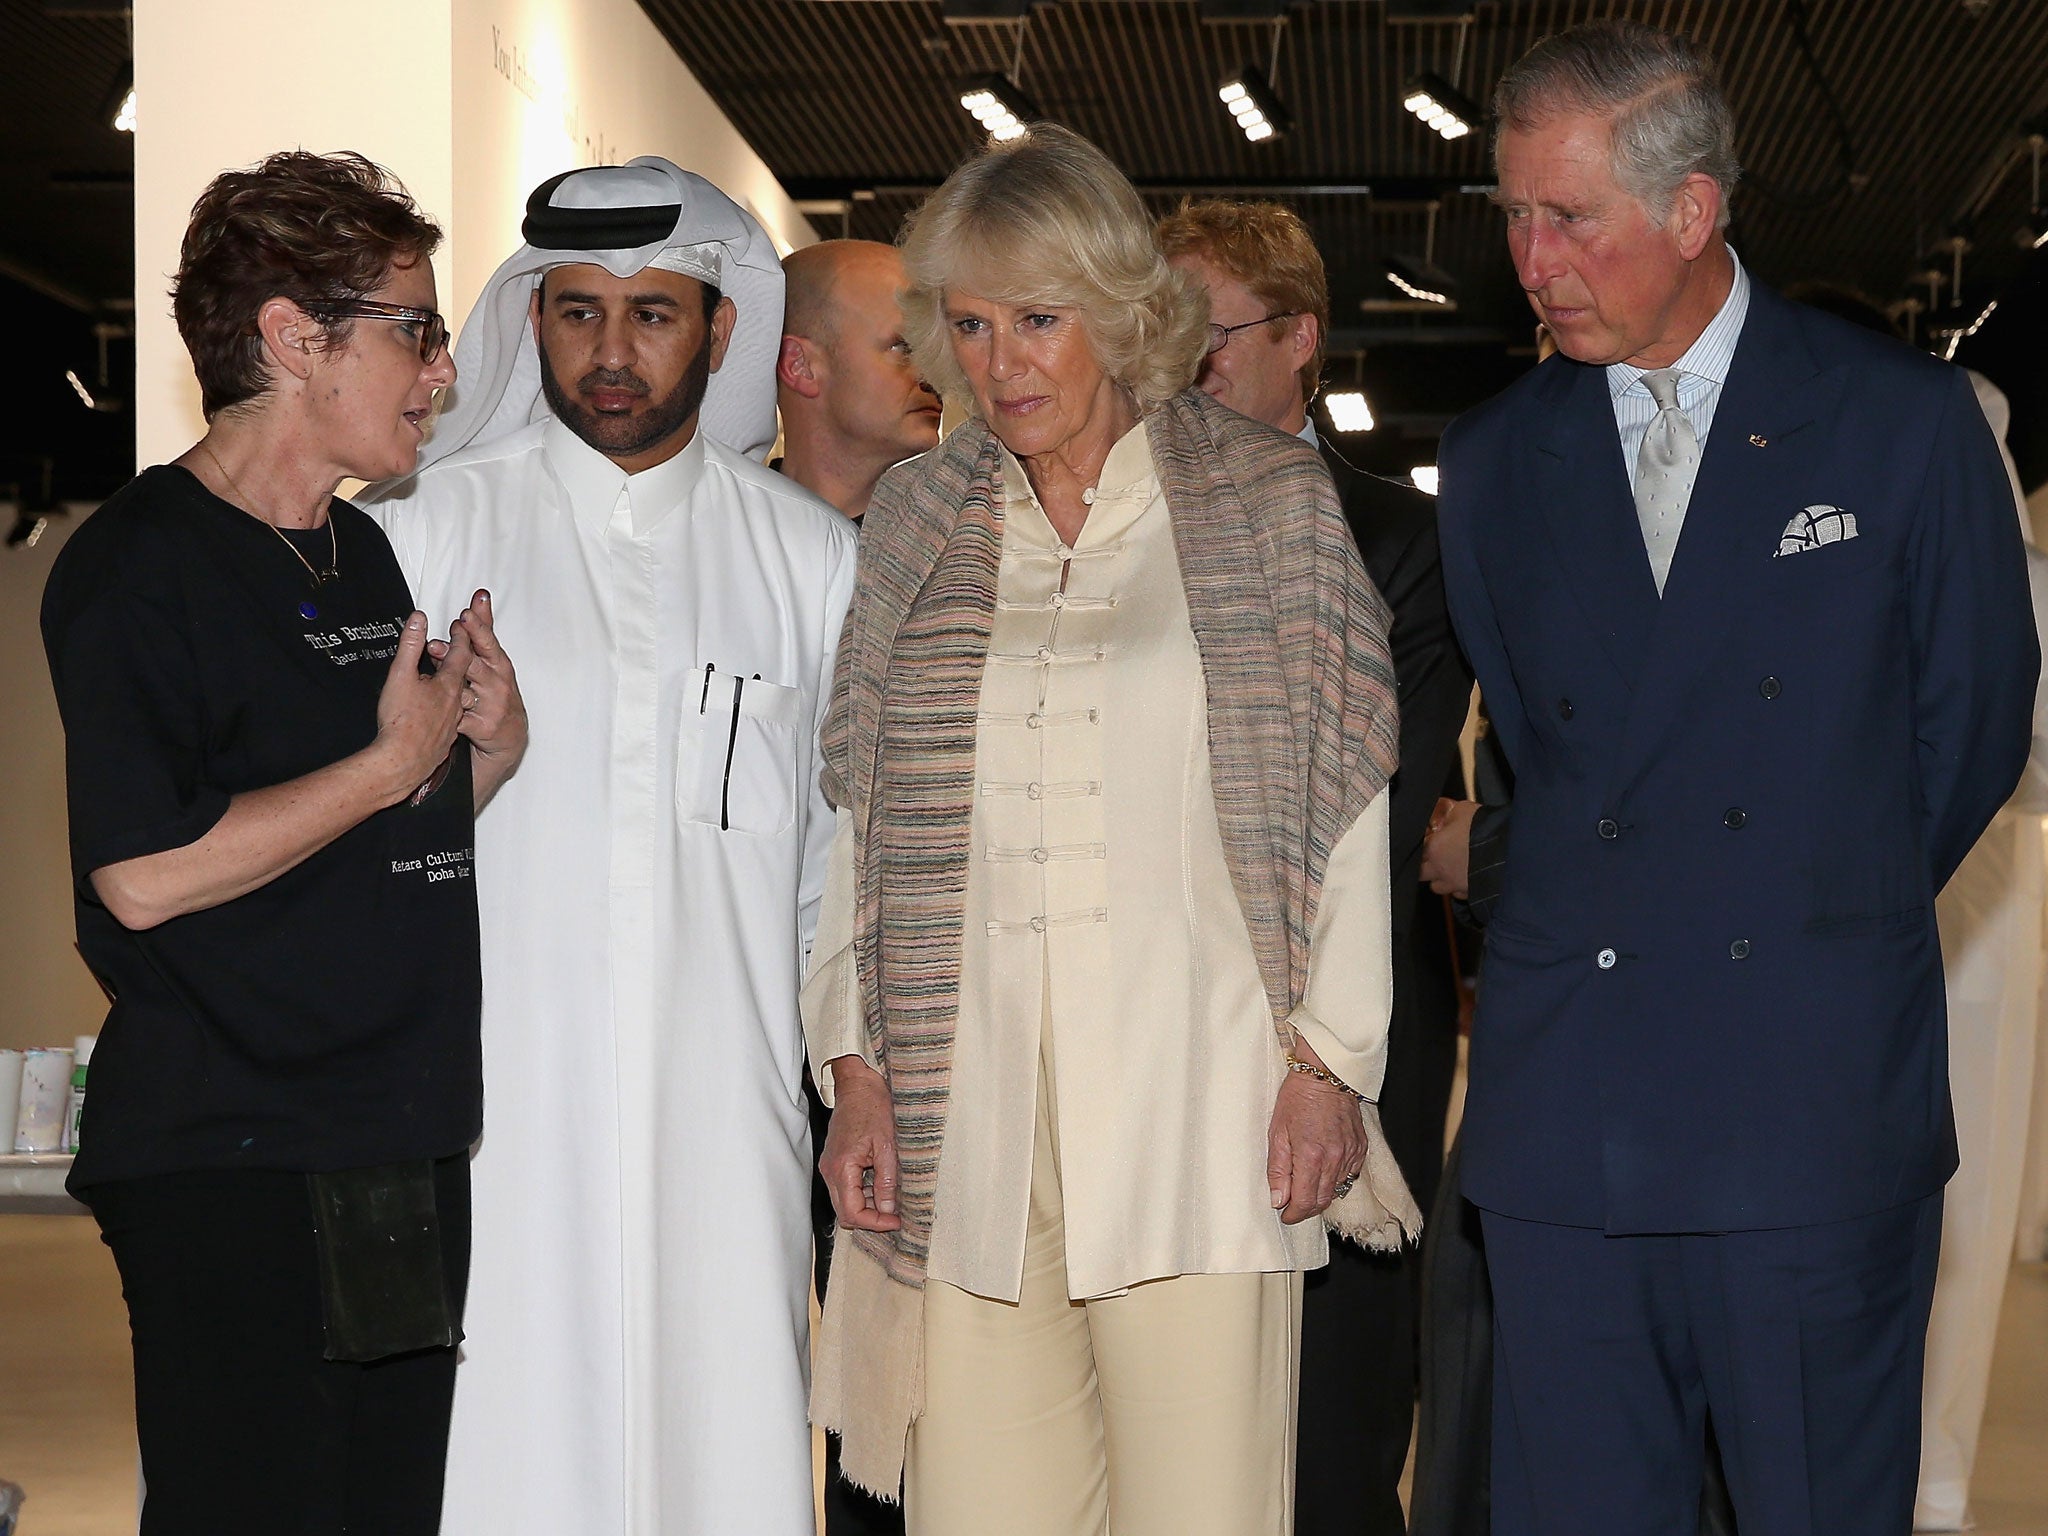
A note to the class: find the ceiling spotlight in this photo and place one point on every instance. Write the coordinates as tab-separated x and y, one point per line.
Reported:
1962	334
999	104
1442	106
1425	478
117	106
91	397
100	396
27	530
1418	285
1421	283
1348	410
34	509
1252	103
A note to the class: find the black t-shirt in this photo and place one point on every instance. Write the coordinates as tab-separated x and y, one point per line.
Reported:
329	1018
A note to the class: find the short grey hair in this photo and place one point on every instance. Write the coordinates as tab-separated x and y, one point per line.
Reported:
1668	116
1047	218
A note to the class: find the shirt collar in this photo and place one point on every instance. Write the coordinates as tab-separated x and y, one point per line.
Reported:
593	483
1123	491
1708	357
1308	433
1128	469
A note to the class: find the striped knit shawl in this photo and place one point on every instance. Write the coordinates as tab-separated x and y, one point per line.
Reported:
1302	724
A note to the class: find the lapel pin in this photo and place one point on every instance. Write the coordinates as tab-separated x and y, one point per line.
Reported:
1758	440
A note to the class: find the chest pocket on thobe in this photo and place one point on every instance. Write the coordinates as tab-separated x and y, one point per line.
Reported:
736	761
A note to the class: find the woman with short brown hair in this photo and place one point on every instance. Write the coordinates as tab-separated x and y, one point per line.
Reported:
273	777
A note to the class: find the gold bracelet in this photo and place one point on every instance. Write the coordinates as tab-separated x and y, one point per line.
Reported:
1296	1064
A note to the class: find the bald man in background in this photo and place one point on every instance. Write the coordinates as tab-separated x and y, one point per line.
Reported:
851	399
852	404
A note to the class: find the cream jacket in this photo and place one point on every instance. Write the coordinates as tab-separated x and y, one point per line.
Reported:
1099	899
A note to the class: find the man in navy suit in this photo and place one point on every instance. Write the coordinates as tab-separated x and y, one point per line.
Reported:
1748	606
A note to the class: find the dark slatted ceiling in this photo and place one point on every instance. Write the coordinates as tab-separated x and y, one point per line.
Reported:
66	174
854	94
847	95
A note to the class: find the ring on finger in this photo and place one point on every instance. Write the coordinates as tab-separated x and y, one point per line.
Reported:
1344	1186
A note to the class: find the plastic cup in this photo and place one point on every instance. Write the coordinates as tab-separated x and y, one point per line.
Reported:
10	1097
45	1096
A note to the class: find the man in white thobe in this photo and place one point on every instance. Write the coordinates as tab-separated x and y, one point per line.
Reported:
637	1330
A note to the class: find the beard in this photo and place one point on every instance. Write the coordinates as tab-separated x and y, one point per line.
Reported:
631	435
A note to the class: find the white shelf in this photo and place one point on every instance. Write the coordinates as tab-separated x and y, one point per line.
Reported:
32	1184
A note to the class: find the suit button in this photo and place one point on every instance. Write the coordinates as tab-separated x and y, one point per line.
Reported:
1608	829
1770	688
1564	709
1739	950
1605	959
1735	818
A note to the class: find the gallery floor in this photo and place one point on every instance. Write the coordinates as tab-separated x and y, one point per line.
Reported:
67	1437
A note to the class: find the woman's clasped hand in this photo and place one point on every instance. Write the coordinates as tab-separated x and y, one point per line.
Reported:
1316	1147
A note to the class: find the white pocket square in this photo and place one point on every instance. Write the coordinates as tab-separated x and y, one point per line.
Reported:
1814	527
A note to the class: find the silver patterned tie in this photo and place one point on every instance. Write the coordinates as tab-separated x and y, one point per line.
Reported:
1666	466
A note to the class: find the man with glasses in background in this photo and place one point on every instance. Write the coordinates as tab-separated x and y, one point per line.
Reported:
1269	308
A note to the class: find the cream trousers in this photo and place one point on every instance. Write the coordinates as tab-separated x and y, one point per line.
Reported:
1166	1410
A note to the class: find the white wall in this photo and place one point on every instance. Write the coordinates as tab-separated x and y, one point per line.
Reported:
471	103
47	997
222	83
543	85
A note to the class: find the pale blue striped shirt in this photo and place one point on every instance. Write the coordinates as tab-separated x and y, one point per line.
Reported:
1701	373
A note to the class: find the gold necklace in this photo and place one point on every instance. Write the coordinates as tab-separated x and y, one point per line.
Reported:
320	578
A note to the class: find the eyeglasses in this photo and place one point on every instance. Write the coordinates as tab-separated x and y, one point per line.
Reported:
1219	335
433	329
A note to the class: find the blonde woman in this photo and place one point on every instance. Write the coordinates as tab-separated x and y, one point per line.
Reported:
1101	986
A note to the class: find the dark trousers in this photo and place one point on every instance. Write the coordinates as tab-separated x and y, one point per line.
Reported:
849	1511
1805	1345
1453	1492
1359	1313
245	1430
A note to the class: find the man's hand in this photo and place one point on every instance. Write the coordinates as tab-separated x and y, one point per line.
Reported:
859	1161
418	715
493	713
1315	1146
1447	850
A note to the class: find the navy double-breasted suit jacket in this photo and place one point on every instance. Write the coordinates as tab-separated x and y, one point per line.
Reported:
1712	996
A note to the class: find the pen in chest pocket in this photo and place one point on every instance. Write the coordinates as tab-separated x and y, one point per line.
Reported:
732	737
